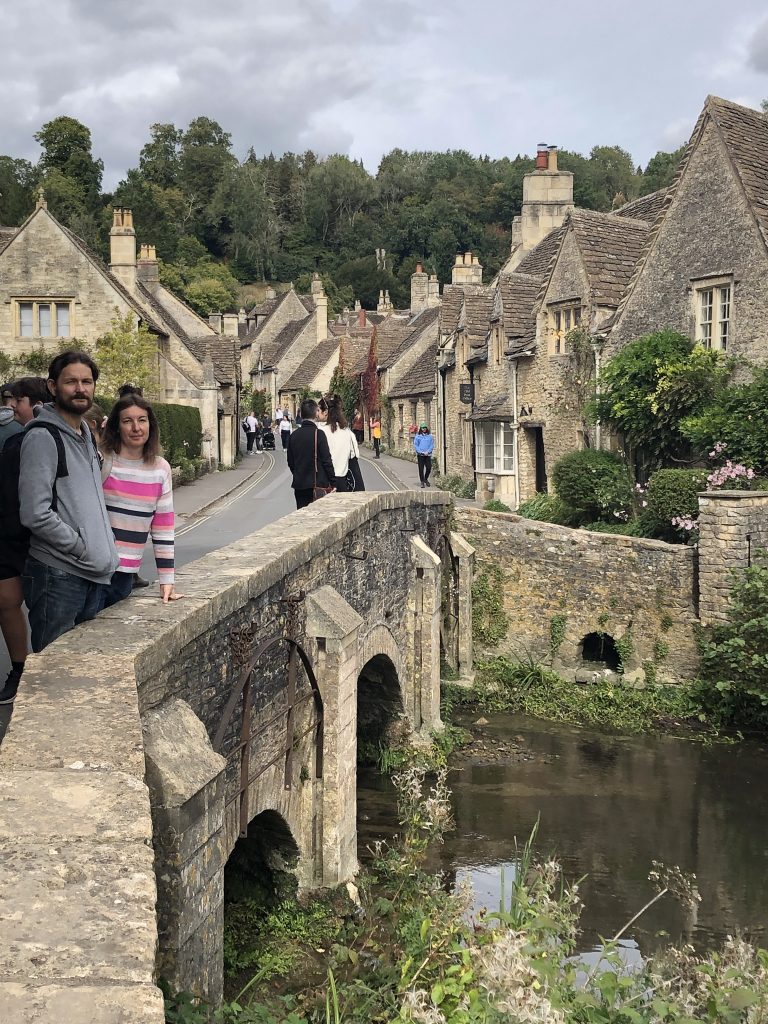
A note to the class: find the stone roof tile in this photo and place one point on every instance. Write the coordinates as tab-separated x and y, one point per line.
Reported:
645	208
610	248
420	378
306	372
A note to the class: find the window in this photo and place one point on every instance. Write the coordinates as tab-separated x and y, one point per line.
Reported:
44	319
562	320
415	413
495	447
713	315
400	413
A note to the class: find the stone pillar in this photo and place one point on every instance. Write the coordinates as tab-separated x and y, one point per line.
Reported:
424	610
464	554
335	626
733	531
187	791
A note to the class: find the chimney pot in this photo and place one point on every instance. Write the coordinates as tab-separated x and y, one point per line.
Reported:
467	259
361	318
542	157
419	268
459	260
552	158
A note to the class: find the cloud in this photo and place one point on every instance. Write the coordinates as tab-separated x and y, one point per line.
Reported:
351	76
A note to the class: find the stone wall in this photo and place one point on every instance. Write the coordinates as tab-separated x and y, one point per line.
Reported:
640	592
733	533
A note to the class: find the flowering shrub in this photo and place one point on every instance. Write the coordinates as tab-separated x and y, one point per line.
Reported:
671	504
732	475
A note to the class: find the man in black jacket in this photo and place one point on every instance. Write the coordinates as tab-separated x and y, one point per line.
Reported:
309	457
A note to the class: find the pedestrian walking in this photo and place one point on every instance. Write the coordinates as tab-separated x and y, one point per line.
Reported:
251	426
375	425
72	552
358	425
424	446
285	430
139	494
309	458
341	441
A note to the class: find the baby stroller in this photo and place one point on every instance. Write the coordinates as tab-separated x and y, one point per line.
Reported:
268	440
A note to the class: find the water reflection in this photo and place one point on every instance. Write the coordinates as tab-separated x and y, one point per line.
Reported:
608	807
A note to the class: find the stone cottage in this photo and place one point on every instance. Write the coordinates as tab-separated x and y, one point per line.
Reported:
52	287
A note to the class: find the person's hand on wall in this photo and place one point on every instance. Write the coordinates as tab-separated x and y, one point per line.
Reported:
168	593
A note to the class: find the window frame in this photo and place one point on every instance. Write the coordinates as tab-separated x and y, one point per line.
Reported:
562	318
503	440
712	300
33	304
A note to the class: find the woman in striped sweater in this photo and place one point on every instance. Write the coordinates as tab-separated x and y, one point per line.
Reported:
138	494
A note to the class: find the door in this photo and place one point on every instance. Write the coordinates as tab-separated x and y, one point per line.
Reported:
541	466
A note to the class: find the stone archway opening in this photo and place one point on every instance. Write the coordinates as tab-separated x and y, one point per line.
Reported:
600	650
381	723
259	876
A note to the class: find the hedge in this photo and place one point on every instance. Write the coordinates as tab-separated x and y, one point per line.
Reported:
181	431
594	483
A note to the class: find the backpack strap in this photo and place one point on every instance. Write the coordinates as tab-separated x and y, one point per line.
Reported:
61	455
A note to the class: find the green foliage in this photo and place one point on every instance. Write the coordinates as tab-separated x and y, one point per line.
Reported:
734	656
547	508
127	354
348	389
489	620
625	646
17	182
527	688
661	170
181	431
456	485
652	386
738	418
633	528
71	176
672	493
594	483
557	626
494	505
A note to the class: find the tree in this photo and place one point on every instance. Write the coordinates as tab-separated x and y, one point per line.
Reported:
128	353
649	388
661	170
159	160
738	419
71	177
17	183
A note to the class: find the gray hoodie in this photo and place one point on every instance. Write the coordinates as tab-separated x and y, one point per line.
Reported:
77	538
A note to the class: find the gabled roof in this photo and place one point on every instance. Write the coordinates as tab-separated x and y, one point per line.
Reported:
355	347
450	308
645	208
610	248
6	234
538	260
306	372
477	316
253	335
280	344
498	407
518	294
419	379
223	354
390	335
745	133
419	323
264	308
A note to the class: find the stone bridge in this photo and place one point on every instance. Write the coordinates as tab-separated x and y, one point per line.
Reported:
146	744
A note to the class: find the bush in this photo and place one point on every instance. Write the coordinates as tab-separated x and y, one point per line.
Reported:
547	508
734	657
181	432
672	493
634	528
494	505
456	485
738	419
595	484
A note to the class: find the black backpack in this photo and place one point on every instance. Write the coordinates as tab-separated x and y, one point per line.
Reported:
11	529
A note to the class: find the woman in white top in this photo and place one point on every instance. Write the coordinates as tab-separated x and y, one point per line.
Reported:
341	440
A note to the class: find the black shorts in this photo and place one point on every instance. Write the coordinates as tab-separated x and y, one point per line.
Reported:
12	559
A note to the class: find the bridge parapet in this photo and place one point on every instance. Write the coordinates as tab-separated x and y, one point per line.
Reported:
263	597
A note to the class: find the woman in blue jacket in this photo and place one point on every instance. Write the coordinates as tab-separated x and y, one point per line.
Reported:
424	445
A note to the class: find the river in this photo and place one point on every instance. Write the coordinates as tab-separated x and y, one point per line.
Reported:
608	806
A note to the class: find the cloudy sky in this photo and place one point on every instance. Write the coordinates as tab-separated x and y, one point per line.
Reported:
361	77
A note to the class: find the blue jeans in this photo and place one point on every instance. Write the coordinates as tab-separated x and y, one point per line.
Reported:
118	588
57	601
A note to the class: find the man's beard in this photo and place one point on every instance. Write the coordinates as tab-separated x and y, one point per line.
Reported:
78	408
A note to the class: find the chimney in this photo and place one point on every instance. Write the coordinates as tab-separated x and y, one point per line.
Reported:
146	268
230	323
270	293
357	305
215	321
419	289
467	270
122	248
321	308
547	198
242	316
361	318
433	292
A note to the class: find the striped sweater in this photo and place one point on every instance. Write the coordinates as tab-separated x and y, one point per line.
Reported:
139	501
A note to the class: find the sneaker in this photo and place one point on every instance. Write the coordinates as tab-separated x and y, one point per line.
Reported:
139	582
9	691
423	484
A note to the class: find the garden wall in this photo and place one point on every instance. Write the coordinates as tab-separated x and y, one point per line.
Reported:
560	585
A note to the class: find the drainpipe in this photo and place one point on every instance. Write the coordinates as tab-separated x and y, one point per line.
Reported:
515	433
597	346
443	422
472	407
